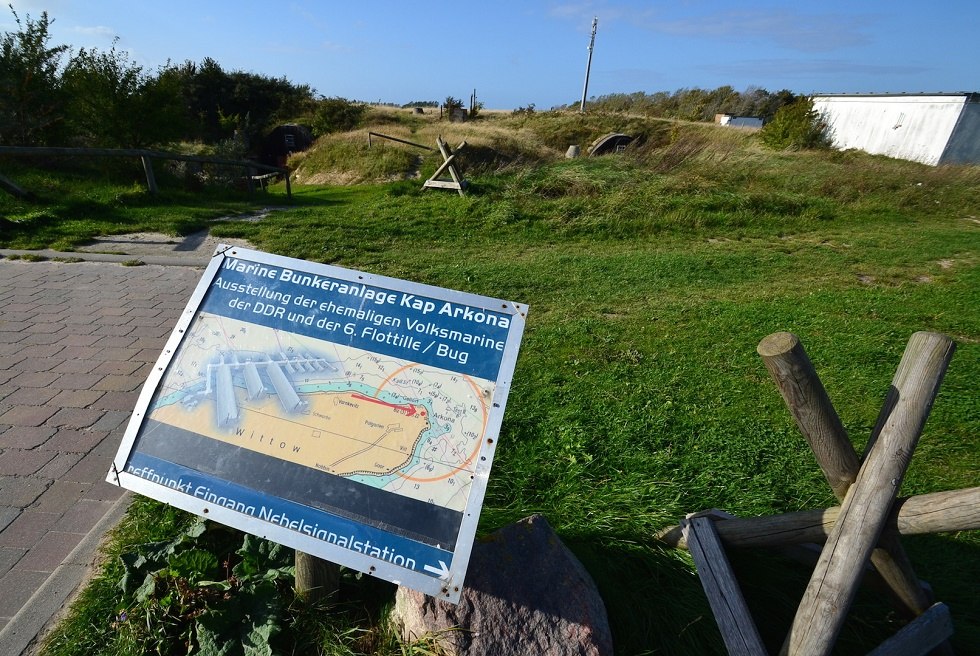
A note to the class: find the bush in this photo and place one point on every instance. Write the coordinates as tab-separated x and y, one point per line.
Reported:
336	115
797	126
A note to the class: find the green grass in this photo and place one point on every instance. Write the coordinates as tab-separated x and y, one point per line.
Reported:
638	395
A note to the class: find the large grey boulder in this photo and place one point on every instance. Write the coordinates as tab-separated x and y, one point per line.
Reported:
525	594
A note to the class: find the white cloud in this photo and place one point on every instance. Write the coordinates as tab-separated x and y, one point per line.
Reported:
785	28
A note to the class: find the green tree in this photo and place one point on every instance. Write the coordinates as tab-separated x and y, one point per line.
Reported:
797	126
114	103
31	97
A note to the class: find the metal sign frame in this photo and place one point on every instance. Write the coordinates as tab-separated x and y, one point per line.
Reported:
186	446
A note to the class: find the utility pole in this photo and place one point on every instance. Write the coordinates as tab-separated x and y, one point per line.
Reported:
588	67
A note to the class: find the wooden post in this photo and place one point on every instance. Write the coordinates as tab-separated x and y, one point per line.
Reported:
809	404
724	596
11	187
151	181
834	582
929	630
955	510
289	189
316	579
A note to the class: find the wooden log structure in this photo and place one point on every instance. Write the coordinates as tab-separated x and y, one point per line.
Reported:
448	164
866	507
938	512
808	402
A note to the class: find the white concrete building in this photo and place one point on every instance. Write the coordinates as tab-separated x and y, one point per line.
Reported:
940	128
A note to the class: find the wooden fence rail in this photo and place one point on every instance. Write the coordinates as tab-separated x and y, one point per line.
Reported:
146	156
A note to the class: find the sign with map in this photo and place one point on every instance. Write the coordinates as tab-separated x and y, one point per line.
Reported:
347	415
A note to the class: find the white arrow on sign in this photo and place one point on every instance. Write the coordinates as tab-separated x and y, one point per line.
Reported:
442	571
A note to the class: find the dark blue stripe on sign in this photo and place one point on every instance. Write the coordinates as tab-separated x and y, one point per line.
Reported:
453	336
356	538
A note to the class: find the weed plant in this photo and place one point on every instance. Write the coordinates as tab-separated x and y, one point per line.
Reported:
638	396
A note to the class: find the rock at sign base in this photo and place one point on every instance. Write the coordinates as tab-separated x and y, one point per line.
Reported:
525	594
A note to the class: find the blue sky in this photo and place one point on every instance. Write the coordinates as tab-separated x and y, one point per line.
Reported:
516	53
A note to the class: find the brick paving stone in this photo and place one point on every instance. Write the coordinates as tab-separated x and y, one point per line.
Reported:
120	331
60	497
7	515
75	441
59	466
19	586
9	557
21	462
14	326
47	554
111	420
75	417
118	353
76	381
76	398
20	492
31	396
34	379
117	367
39	364
144	312
38	326
117	401
27	415
92	467
79	340
8	361
26	437
82	516
29	527
40	351
150	331
103	491
41	339
114	341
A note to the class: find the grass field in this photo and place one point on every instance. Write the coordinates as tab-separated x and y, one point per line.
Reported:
651	277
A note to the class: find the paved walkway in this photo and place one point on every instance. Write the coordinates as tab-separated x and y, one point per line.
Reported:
76	343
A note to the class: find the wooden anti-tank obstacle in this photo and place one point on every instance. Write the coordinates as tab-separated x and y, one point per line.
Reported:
864	529
448	165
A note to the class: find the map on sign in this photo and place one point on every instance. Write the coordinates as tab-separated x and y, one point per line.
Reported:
402	427
350	416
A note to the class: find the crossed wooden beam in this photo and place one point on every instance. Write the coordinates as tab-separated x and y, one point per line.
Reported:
437	180
864	528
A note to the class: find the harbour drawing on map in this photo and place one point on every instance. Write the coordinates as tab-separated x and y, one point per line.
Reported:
402	427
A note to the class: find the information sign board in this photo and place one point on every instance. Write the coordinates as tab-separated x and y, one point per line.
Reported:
347	415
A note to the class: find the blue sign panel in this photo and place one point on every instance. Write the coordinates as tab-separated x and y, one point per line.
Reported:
348	415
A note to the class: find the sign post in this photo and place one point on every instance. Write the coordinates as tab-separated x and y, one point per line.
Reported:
350	416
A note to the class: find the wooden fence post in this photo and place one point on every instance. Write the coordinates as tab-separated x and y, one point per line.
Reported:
151	181
868	503
316	579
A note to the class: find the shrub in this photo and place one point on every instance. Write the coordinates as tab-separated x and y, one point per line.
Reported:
337	115
796	126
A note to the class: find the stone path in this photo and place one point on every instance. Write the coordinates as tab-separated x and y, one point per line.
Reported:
76	343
